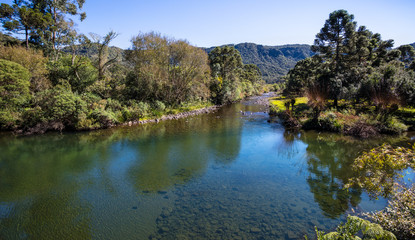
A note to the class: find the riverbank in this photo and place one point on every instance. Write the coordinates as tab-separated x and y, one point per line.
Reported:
42	128
358	120
174	116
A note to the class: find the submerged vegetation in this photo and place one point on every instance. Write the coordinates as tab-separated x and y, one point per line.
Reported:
52	84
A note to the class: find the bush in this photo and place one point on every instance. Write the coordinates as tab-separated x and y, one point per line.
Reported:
328	122
34	61
356	226
399	216
159	106
8	119
33	116
80	74
14	84
60	104
113	105
393	126
103	118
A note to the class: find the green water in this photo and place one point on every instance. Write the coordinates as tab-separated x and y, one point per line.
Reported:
223	175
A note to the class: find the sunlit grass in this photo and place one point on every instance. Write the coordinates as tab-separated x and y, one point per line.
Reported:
279	102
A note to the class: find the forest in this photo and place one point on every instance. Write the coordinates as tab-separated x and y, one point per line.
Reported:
48	81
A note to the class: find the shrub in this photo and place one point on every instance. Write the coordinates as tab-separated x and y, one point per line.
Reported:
8	119
33	116
159	106
353	227
113	105
103	118
34	61
14	84
399	216
393	126
328	122
80	74
60	104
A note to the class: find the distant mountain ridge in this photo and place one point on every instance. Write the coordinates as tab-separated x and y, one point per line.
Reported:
273	61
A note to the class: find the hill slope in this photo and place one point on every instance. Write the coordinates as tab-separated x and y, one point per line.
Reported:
273	61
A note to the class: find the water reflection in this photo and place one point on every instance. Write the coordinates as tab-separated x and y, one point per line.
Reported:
170	178
329	160
176	153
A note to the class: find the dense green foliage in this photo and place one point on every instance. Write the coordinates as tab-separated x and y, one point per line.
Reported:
399	216
232	79
63	80
14	92
167	70
354	227
356	66
273	61
380	172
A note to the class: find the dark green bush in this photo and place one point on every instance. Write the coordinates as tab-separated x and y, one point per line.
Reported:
80	73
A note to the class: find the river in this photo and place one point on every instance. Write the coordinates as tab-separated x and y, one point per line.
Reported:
229	174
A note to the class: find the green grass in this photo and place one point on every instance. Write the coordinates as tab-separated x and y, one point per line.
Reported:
279	102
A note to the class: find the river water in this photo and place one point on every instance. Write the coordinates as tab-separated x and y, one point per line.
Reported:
224	175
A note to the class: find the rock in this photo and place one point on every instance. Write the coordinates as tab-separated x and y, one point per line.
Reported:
291	235
255	230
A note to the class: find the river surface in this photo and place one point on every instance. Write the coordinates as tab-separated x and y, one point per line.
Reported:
223	175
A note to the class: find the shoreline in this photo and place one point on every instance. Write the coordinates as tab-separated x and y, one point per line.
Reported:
42	128
176	116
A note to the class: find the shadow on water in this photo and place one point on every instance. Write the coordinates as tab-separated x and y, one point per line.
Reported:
224	175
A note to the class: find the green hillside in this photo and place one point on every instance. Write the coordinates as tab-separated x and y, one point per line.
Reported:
273	61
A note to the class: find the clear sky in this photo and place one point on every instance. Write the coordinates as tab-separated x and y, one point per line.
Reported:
267	22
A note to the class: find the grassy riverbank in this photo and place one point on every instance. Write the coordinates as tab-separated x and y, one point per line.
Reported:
360	120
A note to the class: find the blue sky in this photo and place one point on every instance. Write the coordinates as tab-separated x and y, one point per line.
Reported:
267	22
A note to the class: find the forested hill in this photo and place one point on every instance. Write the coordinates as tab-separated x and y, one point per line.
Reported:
273	61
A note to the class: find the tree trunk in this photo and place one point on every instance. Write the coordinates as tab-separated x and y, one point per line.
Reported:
27	38
55	17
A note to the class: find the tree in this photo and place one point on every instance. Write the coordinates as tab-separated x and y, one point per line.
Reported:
17	18
407	54
103	62
58	27
166	70
302	76
226	64
332	44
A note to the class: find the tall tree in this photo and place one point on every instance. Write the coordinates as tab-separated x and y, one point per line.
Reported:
21	19
60	25
167	70
102	43
332	44
226	64
407	54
